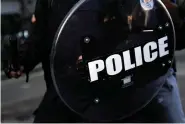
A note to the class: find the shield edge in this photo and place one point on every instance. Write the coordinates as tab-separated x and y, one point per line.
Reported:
56	38
173	27
53	50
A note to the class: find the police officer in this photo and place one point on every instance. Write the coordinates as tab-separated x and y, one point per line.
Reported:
164	107
48	15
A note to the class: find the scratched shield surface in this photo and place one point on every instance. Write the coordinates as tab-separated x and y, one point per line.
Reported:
107	52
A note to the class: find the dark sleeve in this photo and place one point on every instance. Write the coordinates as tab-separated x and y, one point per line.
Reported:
178	23
180	31
182	9
32	51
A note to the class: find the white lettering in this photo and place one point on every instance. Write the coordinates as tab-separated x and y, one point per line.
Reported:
114	64
138	56
127	60
148	55
111	61
94	68
162	46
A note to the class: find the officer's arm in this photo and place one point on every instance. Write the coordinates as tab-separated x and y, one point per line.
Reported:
181	4
178	23
182	28
33	50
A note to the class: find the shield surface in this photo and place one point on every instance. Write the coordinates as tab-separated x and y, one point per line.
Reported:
106	51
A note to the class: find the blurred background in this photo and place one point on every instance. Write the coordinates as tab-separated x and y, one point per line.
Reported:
18	98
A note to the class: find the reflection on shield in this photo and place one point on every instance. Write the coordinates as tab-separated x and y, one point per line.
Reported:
104	54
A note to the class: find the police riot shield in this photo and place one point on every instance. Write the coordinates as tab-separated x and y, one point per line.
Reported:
105	50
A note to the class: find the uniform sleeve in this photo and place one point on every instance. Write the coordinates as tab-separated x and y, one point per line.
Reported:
32	51
181	29
178	23
181	4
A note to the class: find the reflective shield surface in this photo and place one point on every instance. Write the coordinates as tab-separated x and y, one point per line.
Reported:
105	51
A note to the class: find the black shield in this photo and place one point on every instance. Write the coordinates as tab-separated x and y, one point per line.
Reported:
107	50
